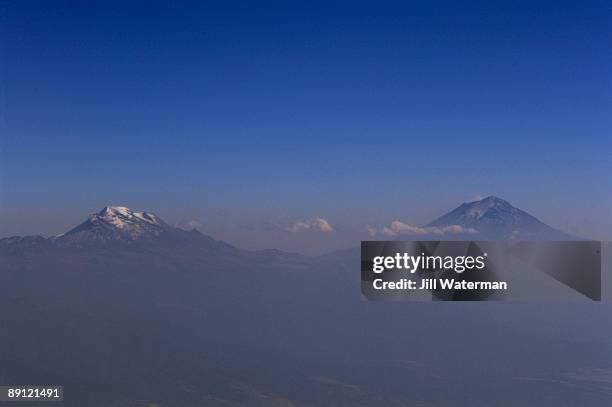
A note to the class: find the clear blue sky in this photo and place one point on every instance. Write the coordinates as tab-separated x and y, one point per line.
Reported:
246	115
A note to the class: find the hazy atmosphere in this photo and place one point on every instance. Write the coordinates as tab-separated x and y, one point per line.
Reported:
254	123
185	187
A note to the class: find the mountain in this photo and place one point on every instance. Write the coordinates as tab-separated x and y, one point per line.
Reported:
115	227
496	219
116	223
117	237
119	228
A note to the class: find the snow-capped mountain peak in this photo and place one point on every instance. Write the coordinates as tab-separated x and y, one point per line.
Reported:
119	227
123	217
118	223
496	219
477	209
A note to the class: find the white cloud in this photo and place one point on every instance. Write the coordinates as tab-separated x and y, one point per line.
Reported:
314	224
398	228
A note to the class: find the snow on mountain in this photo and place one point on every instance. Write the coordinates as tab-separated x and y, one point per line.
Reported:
117	223
491	218
120	228
124	218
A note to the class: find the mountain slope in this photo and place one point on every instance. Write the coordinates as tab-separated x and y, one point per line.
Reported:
496	219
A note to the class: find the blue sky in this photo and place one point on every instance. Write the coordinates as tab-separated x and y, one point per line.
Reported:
251	114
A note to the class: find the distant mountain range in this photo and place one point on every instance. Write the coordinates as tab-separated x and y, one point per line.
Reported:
166	316
119	238
495	219
120	228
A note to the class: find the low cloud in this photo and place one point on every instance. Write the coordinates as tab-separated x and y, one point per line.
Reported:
314	225
398	228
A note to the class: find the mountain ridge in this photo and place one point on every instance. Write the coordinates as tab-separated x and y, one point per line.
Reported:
117	237
121	228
